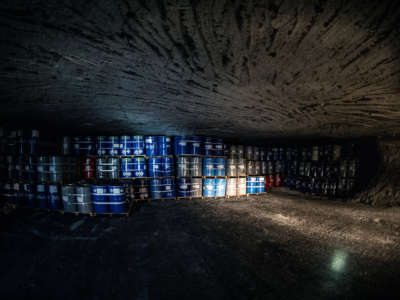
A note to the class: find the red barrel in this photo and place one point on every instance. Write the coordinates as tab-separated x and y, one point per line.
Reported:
87	167
277	181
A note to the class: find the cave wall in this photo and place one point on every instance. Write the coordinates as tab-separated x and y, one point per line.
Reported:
384	188
250	69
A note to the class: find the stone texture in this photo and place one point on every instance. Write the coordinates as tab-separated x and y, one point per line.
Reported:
253	69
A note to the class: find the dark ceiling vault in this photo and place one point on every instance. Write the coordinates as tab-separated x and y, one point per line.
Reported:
231	68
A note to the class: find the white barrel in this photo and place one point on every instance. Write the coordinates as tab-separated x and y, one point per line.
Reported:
241	186
231	167
231	186
241	167
257	168
240	151
197	187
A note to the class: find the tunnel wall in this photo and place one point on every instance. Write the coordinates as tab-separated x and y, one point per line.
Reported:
384	188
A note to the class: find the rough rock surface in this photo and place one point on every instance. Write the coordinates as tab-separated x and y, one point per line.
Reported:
384	189
253	69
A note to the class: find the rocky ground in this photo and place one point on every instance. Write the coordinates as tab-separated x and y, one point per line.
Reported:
279	246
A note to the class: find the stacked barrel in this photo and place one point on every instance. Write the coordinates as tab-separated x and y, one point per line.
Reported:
274	162
324	169
160	166
189	166
214	168
236	171
255	178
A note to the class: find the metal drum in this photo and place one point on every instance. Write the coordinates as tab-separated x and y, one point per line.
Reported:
53	197
156	188
219	167
100	198
343	168
260	185
241	186
66	145
167	166
115	146
168	188
41	196
208	147
241	167
220	187
264	167
231	167
257	167
208	167
126	145
83	199
195	166
84	145
231	185
103	145
232	151
127	168
351	168
87	167
9	194
116	198
164	145
197	187
183	169
256	153
208	187
139	167
42	169
155	167
180	145
138	145
141	189
151	145
263	154
107	168
240	151
314	156
29	194
251	184
69	198
218	147
184	187
194	145
55	169
250	169
249	153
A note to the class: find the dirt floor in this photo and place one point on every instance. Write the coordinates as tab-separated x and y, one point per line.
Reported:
278	246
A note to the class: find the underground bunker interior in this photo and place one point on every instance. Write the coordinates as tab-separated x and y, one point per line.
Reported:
195	149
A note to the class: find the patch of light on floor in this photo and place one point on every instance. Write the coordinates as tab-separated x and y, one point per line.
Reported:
339	260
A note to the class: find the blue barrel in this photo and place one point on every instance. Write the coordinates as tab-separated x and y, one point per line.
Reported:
155	167
138	145
100	198
156	188
219	166
260	184
139	167
180	145
251	184
164	145
208	187
218	147
208	148
84	145
41	196
116	198
115	146
168	188
127	168
126	145
53	197
208	166
194	145
151	145
220	187
30	195
103	145
167	166
184	187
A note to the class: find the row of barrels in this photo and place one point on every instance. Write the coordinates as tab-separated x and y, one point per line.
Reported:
142	145
342	169
22	141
